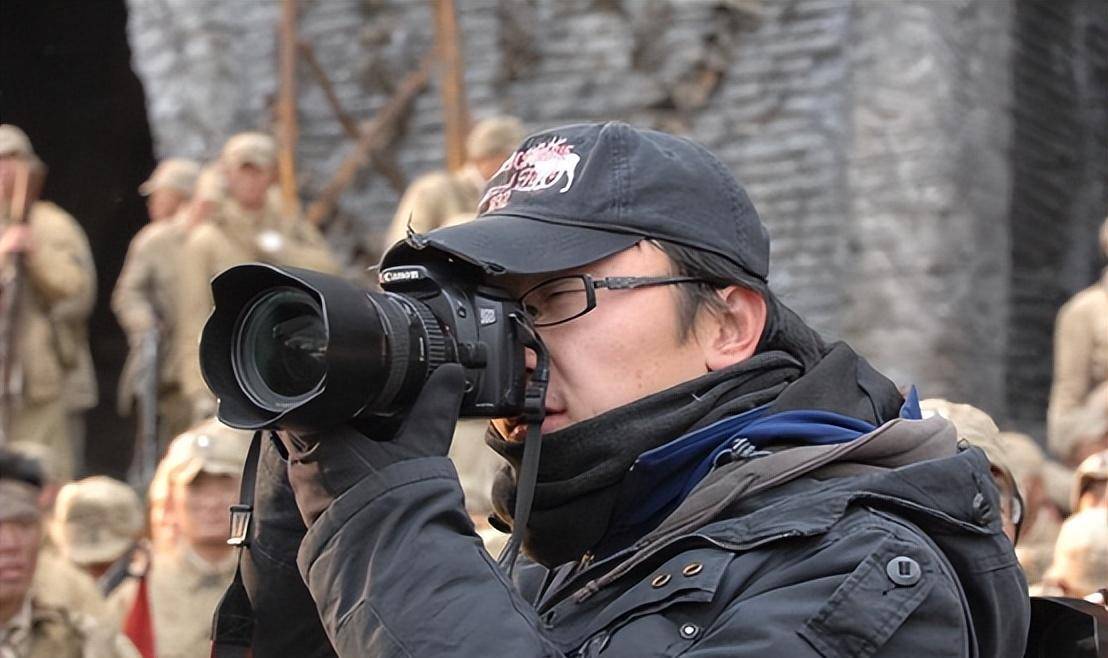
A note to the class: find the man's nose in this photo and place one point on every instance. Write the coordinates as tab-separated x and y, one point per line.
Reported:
530	359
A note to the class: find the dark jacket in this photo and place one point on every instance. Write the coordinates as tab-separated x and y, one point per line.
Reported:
889	545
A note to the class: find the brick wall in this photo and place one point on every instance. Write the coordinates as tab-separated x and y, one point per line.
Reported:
874	137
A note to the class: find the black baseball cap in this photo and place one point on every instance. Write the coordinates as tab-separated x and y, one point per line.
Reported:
576	194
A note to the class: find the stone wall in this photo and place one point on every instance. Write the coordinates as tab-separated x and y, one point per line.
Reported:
873	136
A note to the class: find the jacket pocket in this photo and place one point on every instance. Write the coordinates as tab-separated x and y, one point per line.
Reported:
873	602
659	615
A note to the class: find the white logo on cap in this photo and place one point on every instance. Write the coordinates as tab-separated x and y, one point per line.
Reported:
537	168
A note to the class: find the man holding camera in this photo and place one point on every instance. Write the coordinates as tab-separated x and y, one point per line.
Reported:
714	478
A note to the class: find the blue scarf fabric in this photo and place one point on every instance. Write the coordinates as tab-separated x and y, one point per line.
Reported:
661	478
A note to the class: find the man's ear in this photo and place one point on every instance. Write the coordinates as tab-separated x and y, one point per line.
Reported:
730	335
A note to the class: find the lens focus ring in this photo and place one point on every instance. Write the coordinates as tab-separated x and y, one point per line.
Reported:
434	342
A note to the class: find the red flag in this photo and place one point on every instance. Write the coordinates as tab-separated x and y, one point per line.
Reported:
139	626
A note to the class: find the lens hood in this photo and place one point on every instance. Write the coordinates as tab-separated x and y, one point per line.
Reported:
354	363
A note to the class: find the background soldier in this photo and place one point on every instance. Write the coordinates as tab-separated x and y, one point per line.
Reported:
442	197
97	521
56	279
58	582
144	299
173	599
30	628
247	226
1080	353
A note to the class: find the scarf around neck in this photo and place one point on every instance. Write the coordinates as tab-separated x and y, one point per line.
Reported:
582	466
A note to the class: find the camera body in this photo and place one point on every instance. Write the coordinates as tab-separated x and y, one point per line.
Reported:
481	331
288	348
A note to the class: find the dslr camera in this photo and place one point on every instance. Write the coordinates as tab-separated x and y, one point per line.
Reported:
288	348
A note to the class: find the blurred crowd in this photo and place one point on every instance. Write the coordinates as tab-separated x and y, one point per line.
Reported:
109	568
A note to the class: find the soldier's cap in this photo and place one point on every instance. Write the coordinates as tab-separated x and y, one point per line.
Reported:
21	482
973	426
96	520
1080	558
494	135
210	447
1093	469
253	148
14	142
46	457
173	173
576	194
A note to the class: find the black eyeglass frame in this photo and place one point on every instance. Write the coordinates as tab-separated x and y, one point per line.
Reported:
609	282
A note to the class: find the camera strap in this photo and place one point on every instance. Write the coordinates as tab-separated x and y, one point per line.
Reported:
535	412
233	624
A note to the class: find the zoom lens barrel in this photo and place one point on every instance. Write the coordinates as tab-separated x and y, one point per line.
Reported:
292	348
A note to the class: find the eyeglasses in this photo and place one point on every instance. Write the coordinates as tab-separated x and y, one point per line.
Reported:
567	298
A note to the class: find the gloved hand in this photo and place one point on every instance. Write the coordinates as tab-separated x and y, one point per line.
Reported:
322	466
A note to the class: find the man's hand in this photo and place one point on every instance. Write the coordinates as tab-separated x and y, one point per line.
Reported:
16	239
323	466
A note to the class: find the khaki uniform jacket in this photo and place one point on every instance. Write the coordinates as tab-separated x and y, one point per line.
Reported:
61	584
145	298
435	200
59	284
1080	351
229	239
46	631
183	591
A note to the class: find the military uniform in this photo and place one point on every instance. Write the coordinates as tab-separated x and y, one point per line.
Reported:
435	200
182	591
39	630
52	354
233	236
59	583
144	300
1080	356
181	587
444	198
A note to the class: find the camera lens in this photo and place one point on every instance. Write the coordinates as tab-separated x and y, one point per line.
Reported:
280	348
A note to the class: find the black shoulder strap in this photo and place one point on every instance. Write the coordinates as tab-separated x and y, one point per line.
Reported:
233	625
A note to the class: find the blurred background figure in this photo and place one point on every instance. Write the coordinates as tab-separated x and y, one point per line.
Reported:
166	605
30	628
1080	354
442	198
58	582
145	304
97	524
1041	518
978	429
1090	483
48	287
1082	431
246	226
1080	567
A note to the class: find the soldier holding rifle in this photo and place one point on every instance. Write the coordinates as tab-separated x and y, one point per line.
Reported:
44	256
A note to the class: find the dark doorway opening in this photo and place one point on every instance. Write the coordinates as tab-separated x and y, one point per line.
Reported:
66	79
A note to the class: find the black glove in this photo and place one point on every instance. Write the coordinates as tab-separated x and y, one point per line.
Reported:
286	622
323	466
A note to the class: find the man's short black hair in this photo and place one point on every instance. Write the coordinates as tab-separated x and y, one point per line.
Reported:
14	466
718	271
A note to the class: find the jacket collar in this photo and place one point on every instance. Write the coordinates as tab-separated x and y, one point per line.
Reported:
915	465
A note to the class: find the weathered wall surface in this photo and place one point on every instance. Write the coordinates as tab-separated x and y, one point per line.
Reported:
1060	179
873	136
929	190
